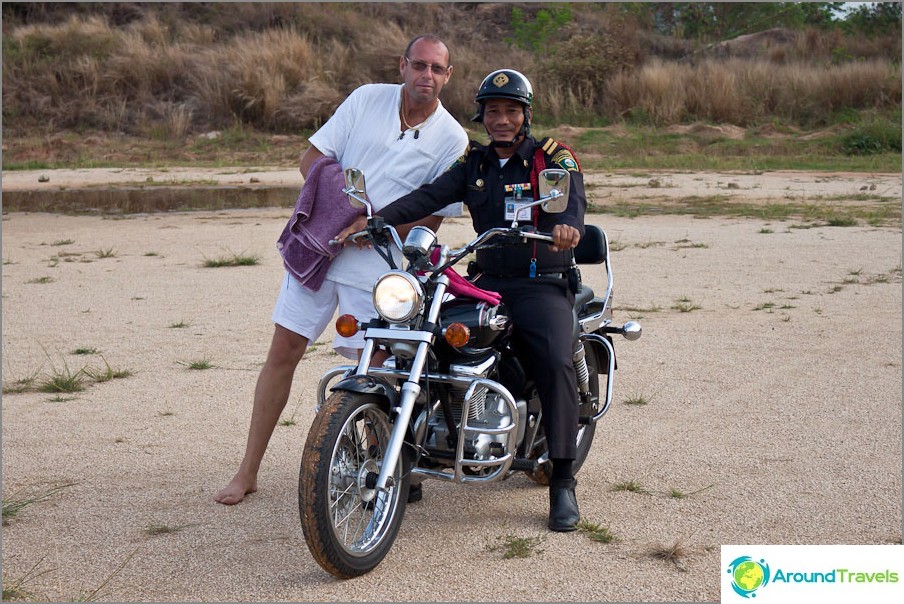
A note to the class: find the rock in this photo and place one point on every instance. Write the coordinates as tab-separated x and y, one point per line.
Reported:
761	43
43	178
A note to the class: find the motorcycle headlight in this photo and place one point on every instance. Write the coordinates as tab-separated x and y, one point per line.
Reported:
398	297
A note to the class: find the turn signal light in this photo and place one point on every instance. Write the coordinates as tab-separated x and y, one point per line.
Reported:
347	326
457	335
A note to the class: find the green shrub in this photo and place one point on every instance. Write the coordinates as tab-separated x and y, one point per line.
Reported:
873	136
533	34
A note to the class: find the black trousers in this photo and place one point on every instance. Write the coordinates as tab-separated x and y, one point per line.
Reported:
542	310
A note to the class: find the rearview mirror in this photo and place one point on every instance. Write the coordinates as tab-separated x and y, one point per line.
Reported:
555	183
355	188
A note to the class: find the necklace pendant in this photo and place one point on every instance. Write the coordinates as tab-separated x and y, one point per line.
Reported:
417	133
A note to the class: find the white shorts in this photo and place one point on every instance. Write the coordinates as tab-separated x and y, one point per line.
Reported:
307	312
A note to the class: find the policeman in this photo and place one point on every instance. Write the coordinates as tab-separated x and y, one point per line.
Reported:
495	181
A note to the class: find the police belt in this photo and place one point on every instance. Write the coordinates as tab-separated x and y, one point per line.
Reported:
561	273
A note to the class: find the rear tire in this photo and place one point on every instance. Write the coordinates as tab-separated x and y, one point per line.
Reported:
348	526
585	432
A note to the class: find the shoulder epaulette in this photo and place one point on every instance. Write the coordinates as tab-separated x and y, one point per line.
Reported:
560	155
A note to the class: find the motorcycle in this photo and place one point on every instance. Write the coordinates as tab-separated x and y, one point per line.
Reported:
452	401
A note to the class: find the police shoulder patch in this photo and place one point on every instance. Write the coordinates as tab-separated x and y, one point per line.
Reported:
565	160
462	159
560	155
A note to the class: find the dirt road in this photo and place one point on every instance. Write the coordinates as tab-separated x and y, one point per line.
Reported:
769	369
619	185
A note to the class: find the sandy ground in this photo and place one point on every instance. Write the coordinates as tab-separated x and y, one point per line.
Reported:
775	407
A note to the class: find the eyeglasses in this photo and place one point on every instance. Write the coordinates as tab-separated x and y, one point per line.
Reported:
437	70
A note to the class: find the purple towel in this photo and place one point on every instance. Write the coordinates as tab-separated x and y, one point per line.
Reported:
321	212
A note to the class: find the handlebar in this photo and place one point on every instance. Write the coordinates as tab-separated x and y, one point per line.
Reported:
379	234
517	233
453	255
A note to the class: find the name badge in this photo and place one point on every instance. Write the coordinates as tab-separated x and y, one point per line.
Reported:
516	209
516	202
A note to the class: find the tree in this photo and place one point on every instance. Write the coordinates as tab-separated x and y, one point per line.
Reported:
876	18
715	21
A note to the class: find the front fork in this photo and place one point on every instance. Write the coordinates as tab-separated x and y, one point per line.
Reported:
411	389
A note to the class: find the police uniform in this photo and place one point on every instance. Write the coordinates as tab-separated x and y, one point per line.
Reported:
531	279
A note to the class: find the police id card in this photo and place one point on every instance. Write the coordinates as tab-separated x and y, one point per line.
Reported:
516	202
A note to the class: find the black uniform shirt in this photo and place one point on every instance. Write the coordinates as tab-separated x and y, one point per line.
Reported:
479	181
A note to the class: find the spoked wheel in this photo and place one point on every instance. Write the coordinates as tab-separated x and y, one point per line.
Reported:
348	524
585	431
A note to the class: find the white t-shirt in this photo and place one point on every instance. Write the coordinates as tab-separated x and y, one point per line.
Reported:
364	134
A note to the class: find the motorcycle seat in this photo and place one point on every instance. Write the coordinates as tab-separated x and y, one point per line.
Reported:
584	295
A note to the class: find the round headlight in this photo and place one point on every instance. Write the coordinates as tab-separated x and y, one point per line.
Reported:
398	297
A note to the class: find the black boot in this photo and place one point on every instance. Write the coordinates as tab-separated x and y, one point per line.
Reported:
563	505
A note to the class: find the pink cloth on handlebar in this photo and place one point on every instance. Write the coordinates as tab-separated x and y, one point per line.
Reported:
461	287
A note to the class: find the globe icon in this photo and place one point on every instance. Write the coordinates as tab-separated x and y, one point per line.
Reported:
748	575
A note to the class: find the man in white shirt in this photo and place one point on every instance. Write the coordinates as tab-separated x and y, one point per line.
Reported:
401	137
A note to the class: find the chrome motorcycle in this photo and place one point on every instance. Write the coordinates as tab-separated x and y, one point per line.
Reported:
453	401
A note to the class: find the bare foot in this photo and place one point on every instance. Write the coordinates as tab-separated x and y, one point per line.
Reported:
235	491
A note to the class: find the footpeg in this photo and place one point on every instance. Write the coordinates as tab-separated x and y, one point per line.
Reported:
525	465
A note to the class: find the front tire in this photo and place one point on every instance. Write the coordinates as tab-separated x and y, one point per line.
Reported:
348	526
585	431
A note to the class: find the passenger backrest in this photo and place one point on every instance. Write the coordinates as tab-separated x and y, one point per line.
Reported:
592	247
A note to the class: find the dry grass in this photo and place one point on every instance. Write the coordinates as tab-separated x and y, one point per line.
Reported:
748	91
172	70
21	587
675	554
19	500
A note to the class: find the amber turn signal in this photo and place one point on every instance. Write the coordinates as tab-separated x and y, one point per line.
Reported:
457	335
346	326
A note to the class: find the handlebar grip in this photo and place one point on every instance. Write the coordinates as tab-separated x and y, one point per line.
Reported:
547	237
351	237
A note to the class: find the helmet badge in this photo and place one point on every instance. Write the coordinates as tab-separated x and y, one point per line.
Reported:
501	80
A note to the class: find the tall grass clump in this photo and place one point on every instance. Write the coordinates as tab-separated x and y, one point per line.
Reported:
51	71
650	93
747	91
250	78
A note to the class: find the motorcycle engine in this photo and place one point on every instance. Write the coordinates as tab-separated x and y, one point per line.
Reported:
486	411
